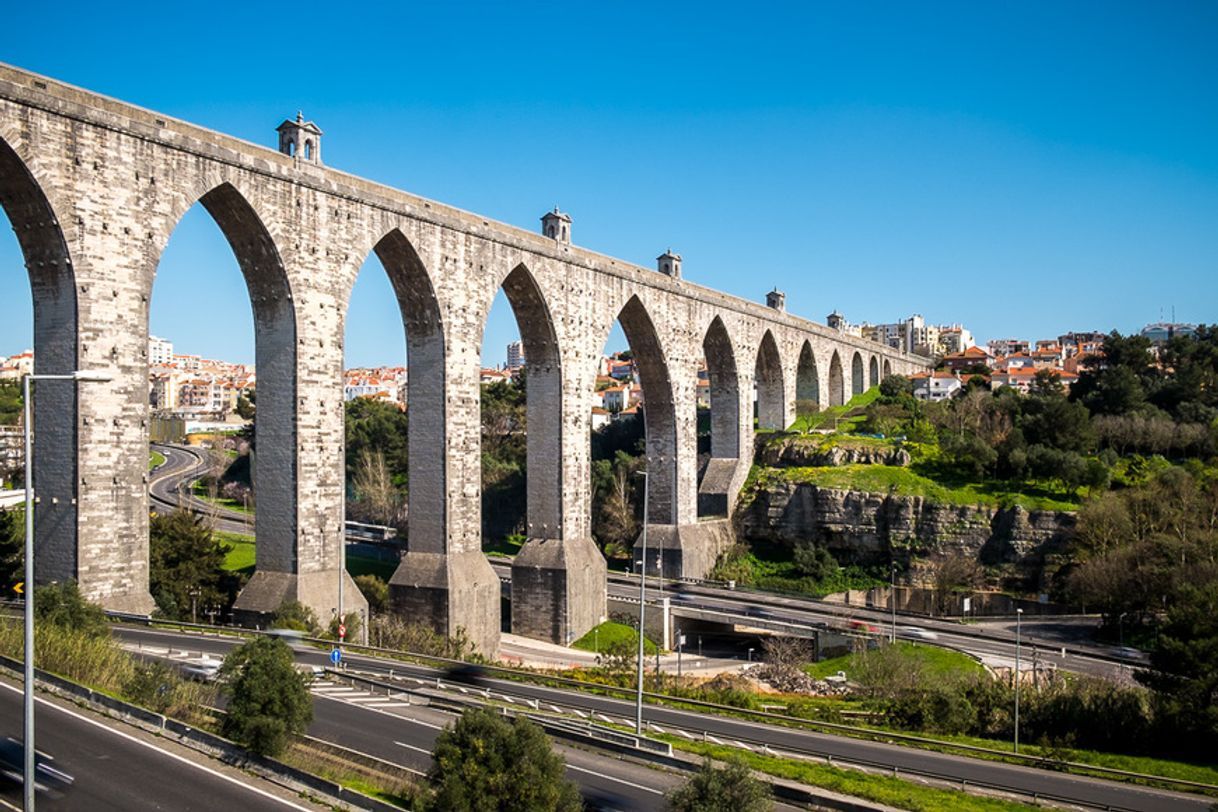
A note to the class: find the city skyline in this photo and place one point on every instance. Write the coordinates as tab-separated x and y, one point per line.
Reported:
1028	175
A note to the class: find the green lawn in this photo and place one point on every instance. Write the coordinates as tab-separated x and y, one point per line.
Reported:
200	490
503	548
155	459
883	789
241	551
240	557
916	481
605	636
838	415
934	661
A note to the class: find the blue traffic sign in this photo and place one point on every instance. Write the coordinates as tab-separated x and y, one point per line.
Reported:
336	656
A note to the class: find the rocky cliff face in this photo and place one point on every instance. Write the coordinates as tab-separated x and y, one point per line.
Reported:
803	452
858	527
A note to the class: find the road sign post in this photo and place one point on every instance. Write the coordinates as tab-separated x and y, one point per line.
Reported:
336	657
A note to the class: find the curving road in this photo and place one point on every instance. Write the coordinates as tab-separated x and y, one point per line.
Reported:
1088	792
169	487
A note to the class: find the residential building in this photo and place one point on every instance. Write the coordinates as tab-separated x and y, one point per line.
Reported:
1162	332
1000	347
935	386
1023	377
515	355
160	351
971	357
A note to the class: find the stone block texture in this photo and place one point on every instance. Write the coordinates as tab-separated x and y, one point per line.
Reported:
94	187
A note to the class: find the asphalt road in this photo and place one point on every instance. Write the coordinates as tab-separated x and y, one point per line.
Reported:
117	769
1028	780
991	641
182	466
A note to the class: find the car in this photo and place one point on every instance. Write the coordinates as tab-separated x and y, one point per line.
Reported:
48	779
862	626
201	669
1130	653
466	673
918	632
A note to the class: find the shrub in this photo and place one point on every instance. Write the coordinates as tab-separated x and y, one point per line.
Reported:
721	789
484	762
268	699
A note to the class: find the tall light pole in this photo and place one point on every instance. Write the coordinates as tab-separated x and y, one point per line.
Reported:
894	602
638	707
28	697
1018	628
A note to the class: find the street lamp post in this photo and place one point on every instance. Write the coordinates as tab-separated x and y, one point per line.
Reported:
28	697
1018	628
638	708
893	589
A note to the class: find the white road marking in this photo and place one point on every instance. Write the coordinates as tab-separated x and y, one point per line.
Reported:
165	753
612	778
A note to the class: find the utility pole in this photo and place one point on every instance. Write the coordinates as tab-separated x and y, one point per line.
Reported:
638	708
894	602
1018	628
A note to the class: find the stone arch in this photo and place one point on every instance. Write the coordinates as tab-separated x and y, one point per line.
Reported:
837	384
874	369
53	289
713	489
425	385
543	410
858	382
807	382
659	412
274	471
771	411
887	368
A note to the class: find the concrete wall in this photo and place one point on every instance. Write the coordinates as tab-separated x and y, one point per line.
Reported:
95	187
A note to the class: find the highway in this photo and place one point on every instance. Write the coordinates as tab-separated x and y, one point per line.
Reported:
953	768
118	768
742	608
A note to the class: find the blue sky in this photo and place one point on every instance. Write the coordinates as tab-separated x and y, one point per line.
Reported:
1025	169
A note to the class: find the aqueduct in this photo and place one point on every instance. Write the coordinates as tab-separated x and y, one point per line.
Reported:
93	188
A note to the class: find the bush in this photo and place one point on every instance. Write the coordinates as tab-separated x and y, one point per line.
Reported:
268	699
484	762
375	590
295	615
61	604
390	631
721	789
814	561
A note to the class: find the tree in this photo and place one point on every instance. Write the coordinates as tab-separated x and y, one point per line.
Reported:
375	590
955	574
11	402
896	386
721	789
12	547
295	615
814	561
375	498
484	762
1184	668
61	604
268	699
245	407
186	563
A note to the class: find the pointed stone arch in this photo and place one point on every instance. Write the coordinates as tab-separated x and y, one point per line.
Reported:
273	469
716	477
56	347
771	400
874	369
659	411
425	387
837	383
858	382
807	382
